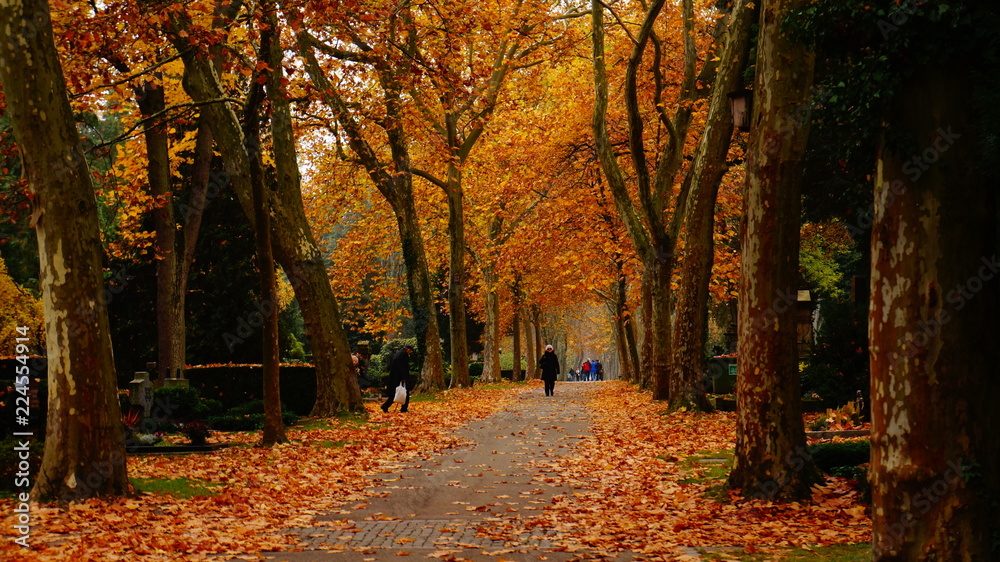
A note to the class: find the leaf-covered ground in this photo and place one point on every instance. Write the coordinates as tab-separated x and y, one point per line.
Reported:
645	485
642	483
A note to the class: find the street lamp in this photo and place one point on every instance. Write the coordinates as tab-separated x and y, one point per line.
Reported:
741	103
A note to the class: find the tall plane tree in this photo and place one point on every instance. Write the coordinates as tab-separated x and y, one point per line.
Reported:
295	247
933	328
393	179
445	66
687	350
771	459
649	227
84	451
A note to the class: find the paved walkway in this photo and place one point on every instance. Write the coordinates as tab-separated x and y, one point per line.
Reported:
462	505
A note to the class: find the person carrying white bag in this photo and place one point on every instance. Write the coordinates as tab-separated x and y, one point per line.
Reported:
400	382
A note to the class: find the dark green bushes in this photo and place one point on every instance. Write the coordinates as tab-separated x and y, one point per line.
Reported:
248	416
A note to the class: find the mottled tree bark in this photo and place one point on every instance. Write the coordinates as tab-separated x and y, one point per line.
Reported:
491	359
771	460
456	280
84	450
935	467
687	362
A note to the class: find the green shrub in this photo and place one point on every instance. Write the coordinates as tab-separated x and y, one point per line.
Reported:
246	422
829	456
379	365
251	407
254	407
475	370
235	385
184	403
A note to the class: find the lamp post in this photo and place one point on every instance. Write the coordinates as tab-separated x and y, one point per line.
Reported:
741	103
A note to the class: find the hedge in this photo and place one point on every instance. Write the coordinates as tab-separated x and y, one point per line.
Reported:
233	385
829	456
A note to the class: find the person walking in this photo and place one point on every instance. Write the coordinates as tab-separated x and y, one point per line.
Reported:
399	372
585	370
549	364
598	369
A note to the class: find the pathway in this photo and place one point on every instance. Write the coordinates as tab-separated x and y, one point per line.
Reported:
461	505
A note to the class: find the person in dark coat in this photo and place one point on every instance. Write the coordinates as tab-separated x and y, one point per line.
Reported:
399	371
598	369
549	364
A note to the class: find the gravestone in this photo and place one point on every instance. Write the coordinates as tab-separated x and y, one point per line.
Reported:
141	392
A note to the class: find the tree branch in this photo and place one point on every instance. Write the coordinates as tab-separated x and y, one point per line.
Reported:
145	121
429	177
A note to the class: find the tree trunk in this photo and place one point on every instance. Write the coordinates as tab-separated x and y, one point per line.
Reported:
491	360
517	374
771	460
295	248
84	450
690	334
627	369
633	349
647	227
456	280
397	188
661	270
425	321
170	357
532	359
933	328
192	217
281	129
536	330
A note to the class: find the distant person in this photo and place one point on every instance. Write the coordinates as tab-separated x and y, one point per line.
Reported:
549	364
399	372
585	370
598	369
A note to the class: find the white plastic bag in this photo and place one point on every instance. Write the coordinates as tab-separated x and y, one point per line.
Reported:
400	394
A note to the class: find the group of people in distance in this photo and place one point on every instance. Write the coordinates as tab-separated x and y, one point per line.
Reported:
399	373
590	370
